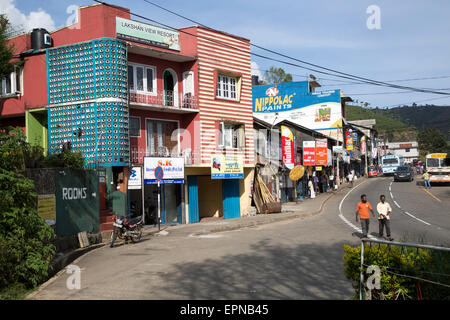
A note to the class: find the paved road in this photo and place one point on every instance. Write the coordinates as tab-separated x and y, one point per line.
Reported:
418	215
296	259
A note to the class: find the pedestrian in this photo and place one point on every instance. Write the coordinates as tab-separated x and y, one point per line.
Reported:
350	180
362	209
384	211
311	188
426	179
331	181
316	183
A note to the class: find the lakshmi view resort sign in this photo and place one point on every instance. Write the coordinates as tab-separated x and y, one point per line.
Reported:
144	33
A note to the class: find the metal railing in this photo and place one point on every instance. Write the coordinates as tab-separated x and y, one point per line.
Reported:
190	156
412	255
165	98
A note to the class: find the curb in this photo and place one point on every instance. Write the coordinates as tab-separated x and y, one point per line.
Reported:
70	258
275	219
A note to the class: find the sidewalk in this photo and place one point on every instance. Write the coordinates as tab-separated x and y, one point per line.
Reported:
291	210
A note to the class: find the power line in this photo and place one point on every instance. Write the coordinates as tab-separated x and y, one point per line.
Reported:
340	73
346	76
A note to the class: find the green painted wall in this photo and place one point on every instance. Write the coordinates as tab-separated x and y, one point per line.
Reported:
36	128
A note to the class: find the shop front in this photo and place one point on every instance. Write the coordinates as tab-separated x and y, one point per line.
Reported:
163	185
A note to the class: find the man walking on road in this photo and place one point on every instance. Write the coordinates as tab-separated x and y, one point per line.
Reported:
426	178
384	210
362	209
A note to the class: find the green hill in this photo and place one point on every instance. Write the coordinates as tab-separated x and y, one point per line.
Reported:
392	129
421	117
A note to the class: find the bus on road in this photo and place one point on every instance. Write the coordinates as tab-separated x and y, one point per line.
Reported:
390	163
438	167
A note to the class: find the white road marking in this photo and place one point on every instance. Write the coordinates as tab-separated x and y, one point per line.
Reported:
414	217
345	219
407	213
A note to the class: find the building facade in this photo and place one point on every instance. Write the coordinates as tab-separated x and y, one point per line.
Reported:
119	90
409	150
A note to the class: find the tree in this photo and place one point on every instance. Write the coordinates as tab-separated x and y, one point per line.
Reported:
431	140
6	51
25	248
277	75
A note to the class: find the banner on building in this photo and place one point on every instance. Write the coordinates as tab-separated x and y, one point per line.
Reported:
363	144
145	33
287	147
227	167
348	140
173	170
321	152
309	153
135	180
46	207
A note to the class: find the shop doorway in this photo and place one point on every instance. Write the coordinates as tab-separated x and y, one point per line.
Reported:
171	204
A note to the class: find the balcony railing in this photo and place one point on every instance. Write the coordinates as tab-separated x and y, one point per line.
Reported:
165	98
190	156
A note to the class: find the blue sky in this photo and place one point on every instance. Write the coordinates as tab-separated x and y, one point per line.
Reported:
413	41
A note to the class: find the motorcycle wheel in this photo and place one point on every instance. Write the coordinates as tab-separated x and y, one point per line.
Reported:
136	238
113	237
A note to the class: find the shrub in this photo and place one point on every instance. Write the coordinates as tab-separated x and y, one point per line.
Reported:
401	267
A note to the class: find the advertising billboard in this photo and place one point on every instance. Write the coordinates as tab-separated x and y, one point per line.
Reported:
287	147
227	167
309	153
348	140
294	102
321	152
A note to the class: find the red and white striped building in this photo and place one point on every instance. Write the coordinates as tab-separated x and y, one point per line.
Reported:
190	98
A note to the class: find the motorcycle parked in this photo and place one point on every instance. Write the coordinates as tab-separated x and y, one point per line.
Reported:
127	229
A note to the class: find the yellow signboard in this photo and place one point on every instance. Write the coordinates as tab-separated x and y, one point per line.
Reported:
437	155
319	168
227	167
297	173
47	206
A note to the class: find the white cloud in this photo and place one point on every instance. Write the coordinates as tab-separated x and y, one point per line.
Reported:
18	19
256	71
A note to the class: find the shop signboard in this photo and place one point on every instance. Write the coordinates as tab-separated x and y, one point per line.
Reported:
227	167
173	169
287	147
309	153
135	180
147	34
348	140
46	207
321	152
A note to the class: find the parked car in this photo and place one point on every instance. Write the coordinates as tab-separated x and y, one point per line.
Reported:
372	171
404	173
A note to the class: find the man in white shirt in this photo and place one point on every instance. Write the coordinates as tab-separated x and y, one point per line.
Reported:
384	210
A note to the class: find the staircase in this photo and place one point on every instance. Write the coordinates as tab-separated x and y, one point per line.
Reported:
106	220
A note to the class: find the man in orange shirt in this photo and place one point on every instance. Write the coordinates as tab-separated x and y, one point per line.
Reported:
363	208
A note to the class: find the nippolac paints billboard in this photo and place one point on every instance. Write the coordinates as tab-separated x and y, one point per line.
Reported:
292	101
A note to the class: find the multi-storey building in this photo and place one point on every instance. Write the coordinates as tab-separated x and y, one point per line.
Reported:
118	90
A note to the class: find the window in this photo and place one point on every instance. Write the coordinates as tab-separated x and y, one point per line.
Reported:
407	149
231	135
135	127
162	138
13	84
141	79
226	87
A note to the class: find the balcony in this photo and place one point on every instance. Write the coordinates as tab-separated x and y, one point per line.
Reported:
164	100
190	156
